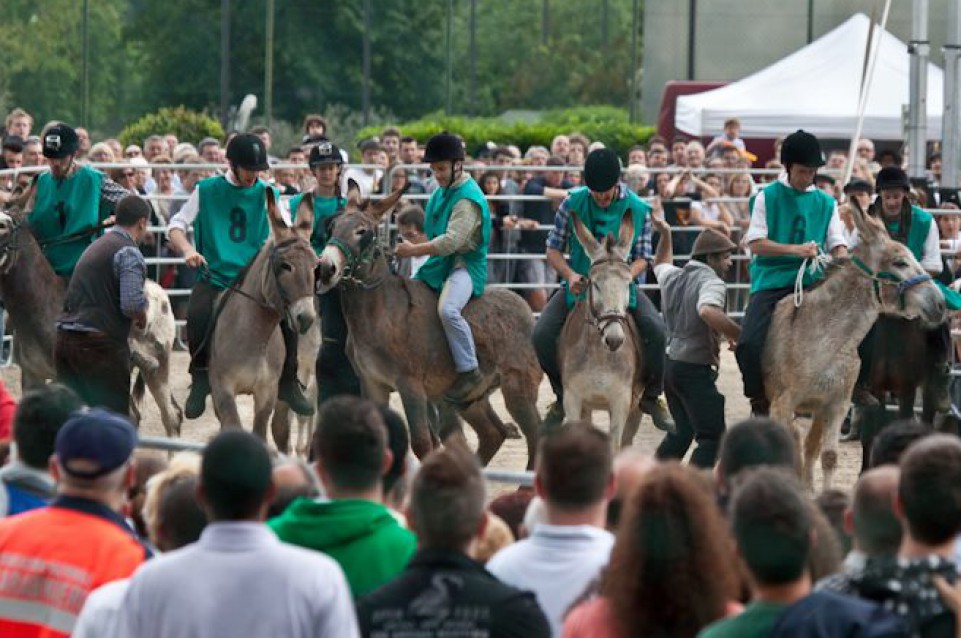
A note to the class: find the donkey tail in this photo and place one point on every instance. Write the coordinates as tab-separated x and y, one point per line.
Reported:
139	388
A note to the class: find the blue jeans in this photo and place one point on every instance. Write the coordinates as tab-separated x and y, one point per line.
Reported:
457	291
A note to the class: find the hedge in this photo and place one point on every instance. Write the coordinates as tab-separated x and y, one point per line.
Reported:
188	126
605	123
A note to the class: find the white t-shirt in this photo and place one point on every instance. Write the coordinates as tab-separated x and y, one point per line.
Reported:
758	227
100	616
556	563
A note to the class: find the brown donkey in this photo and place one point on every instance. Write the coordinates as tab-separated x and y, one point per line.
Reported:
396	341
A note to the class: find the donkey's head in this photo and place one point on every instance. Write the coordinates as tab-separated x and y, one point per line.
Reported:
903	287
291	266
608	288
352	238
11	217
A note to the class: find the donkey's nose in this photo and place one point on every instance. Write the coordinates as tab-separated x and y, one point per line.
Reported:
613	341
325	270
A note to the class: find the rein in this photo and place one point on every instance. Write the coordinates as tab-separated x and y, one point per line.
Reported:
234	286
885	278
367	256
602	321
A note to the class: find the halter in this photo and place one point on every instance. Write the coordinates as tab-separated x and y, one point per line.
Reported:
371	249
885	278
274	267
602	321
10	245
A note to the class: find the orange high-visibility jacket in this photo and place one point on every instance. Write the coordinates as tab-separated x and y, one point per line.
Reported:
52	558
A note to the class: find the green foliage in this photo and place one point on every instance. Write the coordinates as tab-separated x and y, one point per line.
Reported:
605	123
188	126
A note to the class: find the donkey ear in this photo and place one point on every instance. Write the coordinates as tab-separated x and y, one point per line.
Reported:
22	201
867	226
584	236
353	192
626	235
277	222
304	220
378	209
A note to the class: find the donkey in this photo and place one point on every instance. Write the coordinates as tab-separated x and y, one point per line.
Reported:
811	361
247	349
33	295
599	349
396	341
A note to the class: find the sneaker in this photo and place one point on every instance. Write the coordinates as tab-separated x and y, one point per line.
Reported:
197	400
657	409
863	398
290	392
466	388
555	416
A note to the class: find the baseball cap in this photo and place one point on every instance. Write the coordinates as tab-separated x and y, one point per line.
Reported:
94	443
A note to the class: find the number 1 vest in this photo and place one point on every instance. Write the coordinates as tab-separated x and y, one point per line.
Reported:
64	207
231	226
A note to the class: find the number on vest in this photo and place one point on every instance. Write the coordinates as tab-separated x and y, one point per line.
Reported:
799	230
61	209
238	225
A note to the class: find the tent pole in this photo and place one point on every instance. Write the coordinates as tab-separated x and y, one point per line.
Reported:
865	92
950	120
918	47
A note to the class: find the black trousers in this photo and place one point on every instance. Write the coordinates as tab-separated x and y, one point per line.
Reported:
698	411
335	374
547	332
200	327
754	328
96	367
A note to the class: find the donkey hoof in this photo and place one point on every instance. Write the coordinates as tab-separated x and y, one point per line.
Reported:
511	431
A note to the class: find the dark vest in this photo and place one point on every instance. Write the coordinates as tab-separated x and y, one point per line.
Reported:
93	297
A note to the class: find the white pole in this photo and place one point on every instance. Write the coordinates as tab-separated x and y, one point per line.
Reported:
951	118
918	47
863	103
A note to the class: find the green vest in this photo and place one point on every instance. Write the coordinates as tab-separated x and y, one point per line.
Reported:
65	207
324	207
437	268
793	217
918	232
231	226
601	221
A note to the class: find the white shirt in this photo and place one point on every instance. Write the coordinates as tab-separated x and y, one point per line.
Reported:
930	253
184	219
556	563
100	616
239	580
758	226
416	263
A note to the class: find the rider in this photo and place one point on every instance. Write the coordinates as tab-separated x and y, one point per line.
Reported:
71	203
229	215
335	375
458	227
915	229
600	205
791	220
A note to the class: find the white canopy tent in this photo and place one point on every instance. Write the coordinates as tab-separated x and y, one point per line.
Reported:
816	88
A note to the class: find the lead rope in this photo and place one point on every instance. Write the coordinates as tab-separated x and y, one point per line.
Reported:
813	265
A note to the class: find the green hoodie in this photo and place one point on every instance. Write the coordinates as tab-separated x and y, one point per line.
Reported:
362	536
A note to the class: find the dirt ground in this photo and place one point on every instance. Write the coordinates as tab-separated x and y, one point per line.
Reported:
512	456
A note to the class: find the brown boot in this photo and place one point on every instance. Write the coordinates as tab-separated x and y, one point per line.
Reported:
467	387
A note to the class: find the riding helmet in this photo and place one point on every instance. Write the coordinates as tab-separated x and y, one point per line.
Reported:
802	148
443	147
892	178
248	151
709	242
324	152
60	141
602	169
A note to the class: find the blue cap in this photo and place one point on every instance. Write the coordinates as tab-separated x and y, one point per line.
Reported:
94	443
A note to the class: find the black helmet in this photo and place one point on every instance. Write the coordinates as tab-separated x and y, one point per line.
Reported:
892	177
443	147
248	151
60	141
602	169
324	152
802	148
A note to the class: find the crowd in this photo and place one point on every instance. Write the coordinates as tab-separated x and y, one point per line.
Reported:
101	540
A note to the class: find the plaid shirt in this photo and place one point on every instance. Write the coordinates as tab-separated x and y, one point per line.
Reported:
131	270
560	235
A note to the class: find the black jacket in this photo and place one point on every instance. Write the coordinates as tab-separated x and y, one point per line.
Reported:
444	593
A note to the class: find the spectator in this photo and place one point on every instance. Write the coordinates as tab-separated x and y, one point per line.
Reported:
874	526
742	186
563	555
695	155
395	479
949	224
754	443
509	183
637	179
171	141
390	141
637	155
266	139
32	152
175	519
410	228
828	184
84	137
497	535
714	215
101	153
561	147
672	571
293	479
26	480
80	541
131	151
731	135
12	150
577	152
630	467
367	179
166	187
511	507
892	442
836	160
832	504
443	592
771	165
154	146
149	464
353	527
315	125
862	192
18	122
209	151
679	151
238	579
115	146
889	157
407	151
865	149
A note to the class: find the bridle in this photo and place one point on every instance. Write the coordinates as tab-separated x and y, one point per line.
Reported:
10	245
885	278
274	268
603	320
371	249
